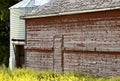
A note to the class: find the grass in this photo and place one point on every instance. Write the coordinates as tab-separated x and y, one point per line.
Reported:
31	75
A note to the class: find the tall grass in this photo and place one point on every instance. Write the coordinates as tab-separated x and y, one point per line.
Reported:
31	75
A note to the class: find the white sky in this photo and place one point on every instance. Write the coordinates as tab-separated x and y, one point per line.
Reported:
41	2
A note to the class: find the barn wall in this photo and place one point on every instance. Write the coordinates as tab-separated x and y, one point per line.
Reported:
92	39
99	63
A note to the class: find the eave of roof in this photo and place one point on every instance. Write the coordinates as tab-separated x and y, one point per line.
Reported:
69	13
67	7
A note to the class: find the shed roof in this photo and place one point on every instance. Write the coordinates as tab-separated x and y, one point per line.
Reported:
62	7
29	3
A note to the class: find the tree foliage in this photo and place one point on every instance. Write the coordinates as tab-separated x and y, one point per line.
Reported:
5	29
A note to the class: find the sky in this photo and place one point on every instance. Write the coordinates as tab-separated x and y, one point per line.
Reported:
25	3
41	2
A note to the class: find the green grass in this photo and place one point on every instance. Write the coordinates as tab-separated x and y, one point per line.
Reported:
31	75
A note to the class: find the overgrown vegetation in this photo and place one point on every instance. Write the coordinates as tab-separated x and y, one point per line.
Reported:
30	75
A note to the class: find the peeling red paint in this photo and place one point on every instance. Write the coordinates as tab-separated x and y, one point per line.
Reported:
81	42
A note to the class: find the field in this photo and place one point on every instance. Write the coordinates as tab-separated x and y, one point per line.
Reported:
30	75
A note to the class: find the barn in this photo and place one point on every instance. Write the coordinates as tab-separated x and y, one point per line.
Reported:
74	35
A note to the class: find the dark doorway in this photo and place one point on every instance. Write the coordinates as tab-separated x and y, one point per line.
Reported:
19	56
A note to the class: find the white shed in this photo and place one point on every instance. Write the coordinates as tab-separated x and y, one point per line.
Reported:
17	30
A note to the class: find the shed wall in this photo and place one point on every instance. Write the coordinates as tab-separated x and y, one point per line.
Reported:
17	30
89	42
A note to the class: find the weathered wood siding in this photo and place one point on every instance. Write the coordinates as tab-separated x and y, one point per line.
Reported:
89	41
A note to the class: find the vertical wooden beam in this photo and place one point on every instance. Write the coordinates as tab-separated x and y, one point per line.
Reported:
62	53
57	59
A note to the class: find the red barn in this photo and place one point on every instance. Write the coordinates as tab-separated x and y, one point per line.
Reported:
75	35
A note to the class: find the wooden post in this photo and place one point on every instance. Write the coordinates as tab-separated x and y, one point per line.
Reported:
58	56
